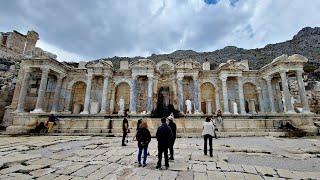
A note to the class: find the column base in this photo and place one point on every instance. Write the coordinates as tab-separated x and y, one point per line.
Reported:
84	112
133	113
198	113
37	111
307	112
290	112
18	111
226	112
102	112
53	112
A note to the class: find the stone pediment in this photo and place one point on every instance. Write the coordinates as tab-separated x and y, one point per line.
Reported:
188	64
295	58
99	64
165	67
233	65
142	64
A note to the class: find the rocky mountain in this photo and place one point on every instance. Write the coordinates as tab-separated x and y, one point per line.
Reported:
306	42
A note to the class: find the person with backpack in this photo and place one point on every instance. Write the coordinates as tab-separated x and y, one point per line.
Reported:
208	133
173	127
143	137
163	135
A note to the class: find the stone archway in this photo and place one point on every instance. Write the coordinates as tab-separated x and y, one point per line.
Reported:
122	90
208	104
78	93
251	98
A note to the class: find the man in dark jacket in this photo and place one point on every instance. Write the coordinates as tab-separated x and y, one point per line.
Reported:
173	127
163	135
125	128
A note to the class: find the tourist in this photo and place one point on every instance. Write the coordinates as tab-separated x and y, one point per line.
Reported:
51	122
173	127
163	135
138	127
143	137
208	133
213	120
125	128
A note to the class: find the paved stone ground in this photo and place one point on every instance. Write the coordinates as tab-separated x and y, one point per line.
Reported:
83	157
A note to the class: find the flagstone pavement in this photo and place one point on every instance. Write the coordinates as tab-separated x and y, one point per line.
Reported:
85	157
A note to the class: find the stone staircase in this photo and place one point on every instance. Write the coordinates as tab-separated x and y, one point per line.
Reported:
189	126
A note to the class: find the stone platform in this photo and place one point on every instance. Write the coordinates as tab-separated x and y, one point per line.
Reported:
85	157
188	126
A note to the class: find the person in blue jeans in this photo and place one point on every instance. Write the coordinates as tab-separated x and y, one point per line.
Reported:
143	137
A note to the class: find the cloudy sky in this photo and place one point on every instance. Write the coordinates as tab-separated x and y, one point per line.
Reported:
91	29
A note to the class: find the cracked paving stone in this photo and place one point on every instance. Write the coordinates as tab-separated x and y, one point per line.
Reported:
234	175
70	169
199	168
185	175
216	175
42	172
85	171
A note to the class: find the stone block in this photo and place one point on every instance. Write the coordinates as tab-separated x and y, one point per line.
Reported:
124	65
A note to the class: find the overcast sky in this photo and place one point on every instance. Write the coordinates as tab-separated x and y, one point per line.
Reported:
91	29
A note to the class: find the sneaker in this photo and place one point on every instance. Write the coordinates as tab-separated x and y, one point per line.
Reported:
140	165
171	158
124	145
167	167
144	165
158	167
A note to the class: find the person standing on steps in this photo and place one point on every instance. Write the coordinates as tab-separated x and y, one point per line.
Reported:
173	127
208	133
125	128
143	137
163	135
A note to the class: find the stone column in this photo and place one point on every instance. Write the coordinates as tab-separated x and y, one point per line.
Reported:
42	90
150	94
261	104
23	90
270	91
104	94
88	94
241	96
133	101
302	92
180	94
196	96
225	95
113	92
217	99
56	96
286	92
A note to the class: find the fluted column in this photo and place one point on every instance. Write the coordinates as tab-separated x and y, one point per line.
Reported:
113	92
23	90
150	94
88	94
180	94
241	96
196	95
217	99
286	92
104	94
56	96
261	104
302	92
270	91
133	101
225	95
42	90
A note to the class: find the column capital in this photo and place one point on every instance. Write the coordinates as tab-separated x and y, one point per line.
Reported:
223	78
150	76
267	78
299	72
45	69
61	76
195	76
180	76
27	69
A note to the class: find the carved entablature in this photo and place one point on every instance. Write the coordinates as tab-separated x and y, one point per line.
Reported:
142	64
233	65
188	65
165	67
51	64
284	63
100	67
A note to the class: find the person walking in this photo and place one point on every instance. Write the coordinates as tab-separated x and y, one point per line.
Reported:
173	127
143	137
207	133
163	135
125	128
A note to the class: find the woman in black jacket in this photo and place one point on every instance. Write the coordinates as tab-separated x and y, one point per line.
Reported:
143	137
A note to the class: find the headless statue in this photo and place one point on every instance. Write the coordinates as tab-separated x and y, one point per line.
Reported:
189	106
121	106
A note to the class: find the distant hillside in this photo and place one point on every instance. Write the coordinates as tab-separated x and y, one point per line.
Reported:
306	42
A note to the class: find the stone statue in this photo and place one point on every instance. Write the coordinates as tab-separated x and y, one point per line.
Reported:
235	108
283	101
121	106
189	106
